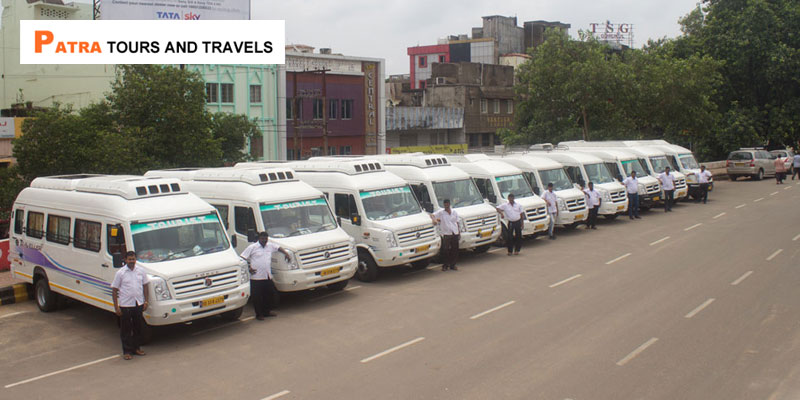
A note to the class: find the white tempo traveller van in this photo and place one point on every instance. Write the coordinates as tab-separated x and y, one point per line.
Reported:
375	207
683	161
69	235
433	180
295	215
496	180
539	171
583	168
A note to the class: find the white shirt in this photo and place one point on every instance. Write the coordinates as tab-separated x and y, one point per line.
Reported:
512	212
703	176
632	184
260	258
448	222
796	160
130	283
552	201
667	181
594	197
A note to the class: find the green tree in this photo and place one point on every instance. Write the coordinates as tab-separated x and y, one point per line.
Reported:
11	183
233	131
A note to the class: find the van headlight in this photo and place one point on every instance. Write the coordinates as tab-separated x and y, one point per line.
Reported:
351	245
391	241
606	196
642	189
244	270
562	205
462	226
691	177
160	288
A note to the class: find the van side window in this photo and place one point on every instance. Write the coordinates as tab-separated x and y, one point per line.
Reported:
58	229
421	191
115	244
19	220
485	187
614	169
244	219
223	213
532	181
35	226
574	174
342	204
87	235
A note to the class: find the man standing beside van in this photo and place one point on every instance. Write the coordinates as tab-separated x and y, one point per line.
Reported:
447	219
262	287
513	213
129	291
668	183
552	208
632	187
593	203
703	179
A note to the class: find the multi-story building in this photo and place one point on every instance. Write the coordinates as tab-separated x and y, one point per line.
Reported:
346	104
252	90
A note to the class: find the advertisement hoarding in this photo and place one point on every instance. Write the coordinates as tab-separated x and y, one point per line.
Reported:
173	9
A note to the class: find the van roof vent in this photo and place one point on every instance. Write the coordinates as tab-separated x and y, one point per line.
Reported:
350	166
126	186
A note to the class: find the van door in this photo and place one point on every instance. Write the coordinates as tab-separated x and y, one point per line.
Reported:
224	210
244	225
345	209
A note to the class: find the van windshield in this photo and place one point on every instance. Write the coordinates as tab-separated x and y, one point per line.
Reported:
598	173
660	163
633	165
297	218
172	239
557	177
513	184
461	193
389	203
688	161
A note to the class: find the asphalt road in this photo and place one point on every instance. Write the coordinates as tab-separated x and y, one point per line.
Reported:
701	303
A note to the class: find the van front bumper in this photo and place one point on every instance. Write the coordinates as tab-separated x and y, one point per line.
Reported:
611	208
471	240
572	217
177	311
406	254
302	279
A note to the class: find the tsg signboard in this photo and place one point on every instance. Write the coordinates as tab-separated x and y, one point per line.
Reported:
174	9
609	32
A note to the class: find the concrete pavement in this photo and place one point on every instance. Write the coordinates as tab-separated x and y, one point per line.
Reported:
703	305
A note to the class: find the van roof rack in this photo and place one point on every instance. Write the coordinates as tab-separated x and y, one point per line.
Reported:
420	160
253	175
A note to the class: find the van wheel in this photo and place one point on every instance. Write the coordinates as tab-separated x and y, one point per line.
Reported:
338	285
482	249
367	267
233	315
759	176
420	264
45	298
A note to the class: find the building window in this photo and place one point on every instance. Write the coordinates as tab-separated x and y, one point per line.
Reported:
226	92
486	139
497	106
423	61
289	108
344	150
347	109
442	59
422	84
331	150
484	106
316	151
333	109
255	93
318	109
473	140
212	90
510	104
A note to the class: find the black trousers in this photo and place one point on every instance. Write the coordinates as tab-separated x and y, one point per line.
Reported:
703	192
262	294
130	328
592	221
450	250
514	235
669	198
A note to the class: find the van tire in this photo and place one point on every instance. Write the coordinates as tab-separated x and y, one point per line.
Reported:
367	270
233	315
482	249
759	176
337	286
46	299
420	264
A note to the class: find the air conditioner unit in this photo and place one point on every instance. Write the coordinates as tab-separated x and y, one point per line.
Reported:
440	80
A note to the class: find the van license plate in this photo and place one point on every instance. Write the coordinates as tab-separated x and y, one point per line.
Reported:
539	227
329	271
681	193
212	301
620	208
656	198
486	234
579	216
422	248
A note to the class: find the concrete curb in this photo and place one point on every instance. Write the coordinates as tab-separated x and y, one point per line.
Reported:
15	293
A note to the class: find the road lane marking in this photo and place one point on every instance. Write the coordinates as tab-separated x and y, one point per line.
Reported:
276	395
773	193
741	205
787	188
491	310
61	371
496	250
743	277
636	352
699	308
393	349
758	199
659	241
618	258
12	314
692	227
719	215
775	254
796	238
572	278
432	267
342	291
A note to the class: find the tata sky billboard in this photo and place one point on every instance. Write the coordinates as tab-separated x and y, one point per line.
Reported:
173	9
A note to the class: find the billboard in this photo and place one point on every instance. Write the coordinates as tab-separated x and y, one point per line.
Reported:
7	129
173	9
433	149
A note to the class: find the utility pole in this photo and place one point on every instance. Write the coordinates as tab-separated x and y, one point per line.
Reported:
324	114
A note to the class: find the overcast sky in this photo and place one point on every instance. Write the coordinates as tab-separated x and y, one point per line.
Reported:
384	29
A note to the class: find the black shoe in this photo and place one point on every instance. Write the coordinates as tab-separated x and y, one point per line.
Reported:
509	253
454	268
552	238
638	217
631	217
260	318
594	227
272	314
444	267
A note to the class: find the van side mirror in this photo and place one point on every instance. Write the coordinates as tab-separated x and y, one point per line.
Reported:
427	206
116	260
355	219
493	199
252	236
